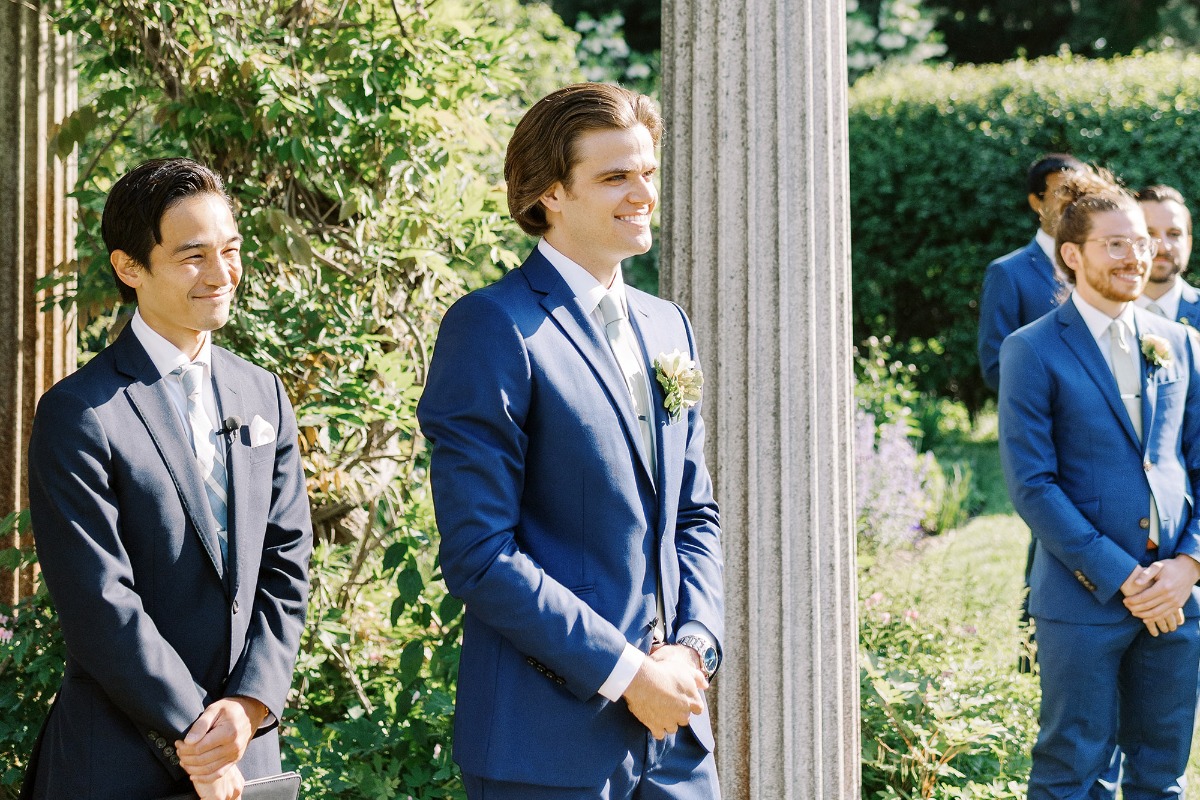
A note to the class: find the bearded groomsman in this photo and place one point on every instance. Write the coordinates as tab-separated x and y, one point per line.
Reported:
1170	224
1100	444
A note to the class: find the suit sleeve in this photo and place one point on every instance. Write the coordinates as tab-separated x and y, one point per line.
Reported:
265	669
1029	458
473	409
698	530
1189	541
73	504
999	315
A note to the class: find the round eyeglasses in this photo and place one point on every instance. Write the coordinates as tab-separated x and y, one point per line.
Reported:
1119	247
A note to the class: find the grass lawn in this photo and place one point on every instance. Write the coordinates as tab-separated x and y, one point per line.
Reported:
966	585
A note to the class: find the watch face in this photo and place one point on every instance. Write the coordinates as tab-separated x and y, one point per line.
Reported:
710	660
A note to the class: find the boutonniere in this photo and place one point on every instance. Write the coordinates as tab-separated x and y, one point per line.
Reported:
680	379
1156	350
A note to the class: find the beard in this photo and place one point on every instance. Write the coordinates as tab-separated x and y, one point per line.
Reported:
1165	272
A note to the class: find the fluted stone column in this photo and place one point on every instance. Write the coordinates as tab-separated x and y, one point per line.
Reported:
37	91
756	248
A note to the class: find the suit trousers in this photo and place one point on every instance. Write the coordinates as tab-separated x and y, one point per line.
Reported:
675	768
1104	685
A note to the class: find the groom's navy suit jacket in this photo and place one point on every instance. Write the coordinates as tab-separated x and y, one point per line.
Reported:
552	528
1077	473
1017	289
156	626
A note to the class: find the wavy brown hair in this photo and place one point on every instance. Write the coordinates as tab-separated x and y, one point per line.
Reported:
542	150
1085	194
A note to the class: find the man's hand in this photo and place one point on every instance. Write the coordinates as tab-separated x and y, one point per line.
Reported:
1156	594
219	737
667	690
227	787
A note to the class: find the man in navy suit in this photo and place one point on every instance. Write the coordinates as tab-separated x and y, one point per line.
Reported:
1023	285
1170	224
576	513
1100	444
171	521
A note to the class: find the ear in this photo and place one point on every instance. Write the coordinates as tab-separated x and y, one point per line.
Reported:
129	271
1072	255
1035	203
552	199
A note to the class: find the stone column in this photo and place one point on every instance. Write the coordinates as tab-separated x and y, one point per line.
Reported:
756	248
37	92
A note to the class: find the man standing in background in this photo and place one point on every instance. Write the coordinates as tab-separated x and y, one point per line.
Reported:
1024	285
1170	224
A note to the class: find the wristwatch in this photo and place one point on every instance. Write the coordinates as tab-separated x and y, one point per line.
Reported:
708	654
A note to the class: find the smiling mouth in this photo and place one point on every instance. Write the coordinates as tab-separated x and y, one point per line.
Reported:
636	219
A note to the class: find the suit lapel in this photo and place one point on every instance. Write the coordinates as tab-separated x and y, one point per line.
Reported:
148	394
1149	387
562	307
1042	265
1079	340
230	404
669	438
1189	307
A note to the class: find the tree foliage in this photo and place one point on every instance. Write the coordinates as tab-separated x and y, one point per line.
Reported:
937	169
362	143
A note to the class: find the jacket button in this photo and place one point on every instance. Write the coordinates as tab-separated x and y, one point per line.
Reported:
1144	523
236	607
1147	464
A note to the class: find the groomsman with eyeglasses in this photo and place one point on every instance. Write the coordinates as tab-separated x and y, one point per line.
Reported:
1100	444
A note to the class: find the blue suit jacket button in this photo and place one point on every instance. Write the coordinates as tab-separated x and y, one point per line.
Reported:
1144	523
235	606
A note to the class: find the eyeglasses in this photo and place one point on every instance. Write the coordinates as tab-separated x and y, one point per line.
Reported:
1119	247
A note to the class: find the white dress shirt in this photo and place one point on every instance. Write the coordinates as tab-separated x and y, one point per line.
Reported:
1169	302
588	291
166	358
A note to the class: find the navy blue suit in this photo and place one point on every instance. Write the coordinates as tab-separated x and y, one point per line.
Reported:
1082	481
1017	289
157	627
553	531
1189	306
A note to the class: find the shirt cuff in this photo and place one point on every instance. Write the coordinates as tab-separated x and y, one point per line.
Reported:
694	628
622	675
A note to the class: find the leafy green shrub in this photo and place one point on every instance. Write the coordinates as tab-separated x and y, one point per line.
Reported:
937	169
937	719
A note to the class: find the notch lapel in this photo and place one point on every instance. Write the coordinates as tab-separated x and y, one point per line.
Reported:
1079	341
148	394
563	308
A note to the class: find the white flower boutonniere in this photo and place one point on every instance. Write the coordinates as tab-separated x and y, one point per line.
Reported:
680	379
1156	350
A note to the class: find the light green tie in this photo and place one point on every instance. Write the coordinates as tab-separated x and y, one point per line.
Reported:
1127	370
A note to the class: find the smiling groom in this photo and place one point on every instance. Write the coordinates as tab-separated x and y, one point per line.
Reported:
576	513
171	521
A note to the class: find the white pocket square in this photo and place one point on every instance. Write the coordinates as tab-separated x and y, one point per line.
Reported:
261	431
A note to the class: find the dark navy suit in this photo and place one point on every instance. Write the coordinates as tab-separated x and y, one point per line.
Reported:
1082	481
156	626
1017	289
553	531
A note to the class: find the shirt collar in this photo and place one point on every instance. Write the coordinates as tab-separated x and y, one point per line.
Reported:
1097	321
1046	242
583	285
165	356
1169	302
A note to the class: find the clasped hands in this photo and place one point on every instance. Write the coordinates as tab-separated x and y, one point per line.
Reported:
215	743
1156	594
668	688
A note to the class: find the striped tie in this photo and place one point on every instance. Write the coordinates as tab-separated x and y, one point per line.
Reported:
210	457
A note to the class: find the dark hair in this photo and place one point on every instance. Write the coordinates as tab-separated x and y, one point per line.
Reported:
1047	165
1161	193
542	150
1087	197
136	204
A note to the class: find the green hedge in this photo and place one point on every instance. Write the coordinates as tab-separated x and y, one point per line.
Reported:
937	171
